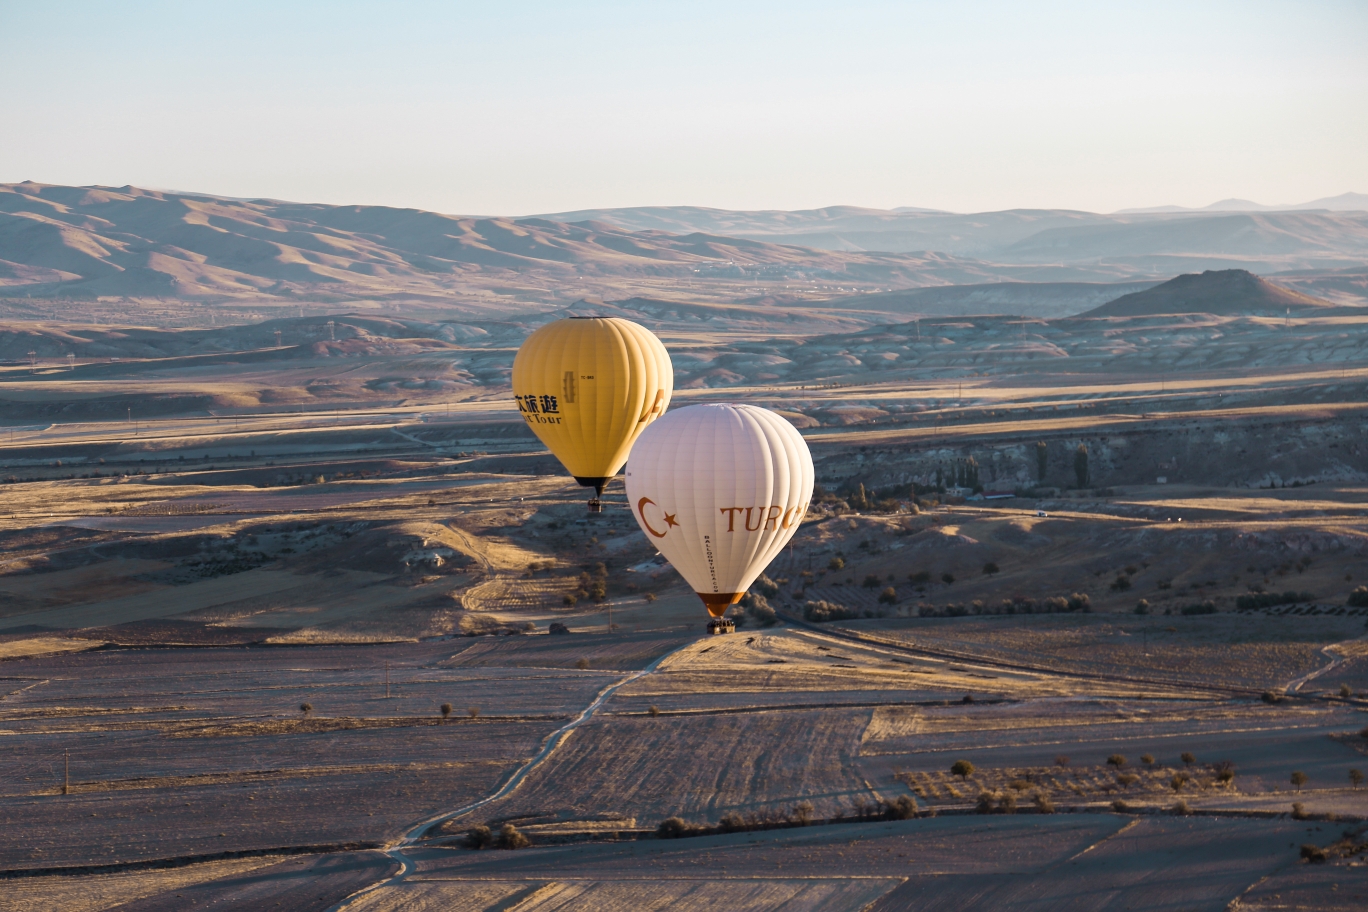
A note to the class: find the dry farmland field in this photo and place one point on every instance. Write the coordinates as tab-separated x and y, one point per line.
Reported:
276	625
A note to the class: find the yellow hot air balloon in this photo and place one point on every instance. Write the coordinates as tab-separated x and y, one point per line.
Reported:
587	386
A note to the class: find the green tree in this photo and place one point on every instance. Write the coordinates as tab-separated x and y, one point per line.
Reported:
1042	460
446	711
306	708
962	768
1081	464
1298	779
1116	760
1355	777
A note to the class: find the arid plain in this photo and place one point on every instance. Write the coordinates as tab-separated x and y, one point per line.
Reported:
1106	557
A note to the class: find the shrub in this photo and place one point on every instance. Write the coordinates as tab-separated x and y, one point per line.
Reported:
306	708
904	807
758	609
836	563
1225	772
650	596
1061	760
731	822
947	578
673	828
1142	607
1079	601
872	581
654	710
1147	759
1355	777
1120	806
446	710
1187	758
962	768
1081	465
1121	583
1007	803
1298	811
1178	781
1206	607
1256	600
920	577
1298	779
510	838
1269	696
474	712
569	600
1043	803
1358	598
766	586
990	568
1116	760
582	664
984	804
1181	809
888	596
823	611
1345	692
479	837
1312	853
802	813
1126	780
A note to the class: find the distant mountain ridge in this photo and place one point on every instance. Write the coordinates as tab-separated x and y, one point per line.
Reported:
85	242
1131	245
1229	292
1345	202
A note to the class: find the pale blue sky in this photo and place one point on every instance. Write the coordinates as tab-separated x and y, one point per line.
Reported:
514	108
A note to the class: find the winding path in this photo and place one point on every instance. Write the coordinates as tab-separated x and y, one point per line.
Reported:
420	830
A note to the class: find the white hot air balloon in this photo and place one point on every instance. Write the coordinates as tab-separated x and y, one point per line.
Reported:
719	490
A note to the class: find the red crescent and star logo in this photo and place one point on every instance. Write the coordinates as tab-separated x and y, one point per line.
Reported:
641	511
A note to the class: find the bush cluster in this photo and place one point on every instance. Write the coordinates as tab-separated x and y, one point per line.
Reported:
482	837
996	803
1206	607
823	611
1358	598
1269	599
758	609
736	822
1057	604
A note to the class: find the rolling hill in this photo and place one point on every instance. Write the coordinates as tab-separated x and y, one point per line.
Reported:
1229	292
89	242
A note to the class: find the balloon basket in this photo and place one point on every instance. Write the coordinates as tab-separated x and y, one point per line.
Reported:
595	506
721	625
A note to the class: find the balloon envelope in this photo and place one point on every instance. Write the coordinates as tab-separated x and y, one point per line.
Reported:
587	386
719	490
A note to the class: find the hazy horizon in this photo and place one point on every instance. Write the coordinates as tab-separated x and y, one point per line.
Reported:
753	106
